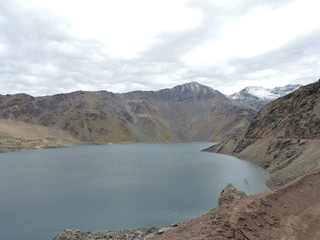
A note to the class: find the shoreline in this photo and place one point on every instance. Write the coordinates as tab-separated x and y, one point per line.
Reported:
133	234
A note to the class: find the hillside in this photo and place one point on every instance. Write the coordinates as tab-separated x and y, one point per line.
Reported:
284	137
189	112
15	135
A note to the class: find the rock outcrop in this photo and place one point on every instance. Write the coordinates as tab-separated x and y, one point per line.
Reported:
230	194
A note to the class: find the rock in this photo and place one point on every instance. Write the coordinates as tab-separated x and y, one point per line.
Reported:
162	230
230	194
136	234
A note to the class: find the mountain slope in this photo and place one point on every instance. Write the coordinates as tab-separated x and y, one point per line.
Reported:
284	137
258	97
189	112
16	135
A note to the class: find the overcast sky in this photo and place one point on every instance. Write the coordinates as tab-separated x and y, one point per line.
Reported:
58	46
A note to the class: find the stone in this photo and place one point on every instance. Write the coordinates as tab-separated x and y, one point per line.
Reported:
229	195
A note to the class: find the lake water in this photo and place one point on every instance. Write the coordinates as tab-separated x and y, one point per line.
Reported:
120	186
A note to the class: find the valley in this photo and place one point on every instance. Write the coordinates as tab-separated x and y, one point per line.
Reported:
280	135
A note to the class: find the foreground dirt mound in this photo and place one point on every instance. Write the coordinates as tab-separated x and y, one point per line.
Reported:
292	212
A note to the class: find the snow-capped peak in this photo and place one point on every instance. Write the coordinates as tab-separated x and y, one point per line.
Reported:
261	92
266	94
257	97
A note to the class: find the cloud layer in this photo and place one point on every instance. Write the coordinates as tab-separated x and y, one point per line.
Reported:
133	45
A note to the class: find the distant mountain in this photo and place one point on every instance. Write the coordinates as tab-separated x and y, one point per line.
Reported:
284	137
188	112
258	97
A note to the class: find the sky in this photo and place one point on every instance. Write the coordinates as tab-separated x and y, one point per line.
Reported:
58	46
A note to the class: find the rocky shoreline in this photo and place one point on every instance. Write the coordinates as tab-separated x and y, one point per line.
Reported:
136	234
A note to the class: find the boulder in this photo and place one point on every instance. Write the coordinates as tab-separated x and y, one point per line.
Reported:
229	195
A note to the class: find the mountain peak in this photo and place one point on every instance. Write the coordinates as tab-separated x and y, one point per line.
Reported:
192	90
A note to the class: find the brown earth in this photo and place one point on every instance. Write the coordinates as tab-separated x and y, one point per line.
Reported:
16	135
291	212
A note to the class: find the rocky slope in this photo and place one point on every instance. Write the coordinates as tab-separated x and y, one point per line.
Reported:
15	135
284	137
189	112
291	212
258	97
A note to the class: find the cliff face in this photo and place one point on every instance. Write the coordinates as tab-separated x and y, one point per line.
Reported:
284	137
189	112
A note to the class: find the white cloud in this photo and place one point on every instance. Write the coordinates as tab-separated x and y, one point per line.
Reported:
260	31
125	27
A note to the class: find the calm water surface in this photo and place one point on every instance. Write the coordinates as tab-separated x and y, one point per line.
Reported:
118	186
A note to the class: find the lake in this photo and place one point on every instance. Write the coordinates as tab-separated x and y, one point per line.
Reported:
111	187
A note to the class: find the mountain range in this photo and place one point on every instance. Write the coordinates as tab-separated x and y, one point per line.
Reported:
188	112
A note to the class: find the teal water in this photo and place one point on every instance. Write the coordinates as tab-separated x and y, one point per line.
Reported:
120	186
